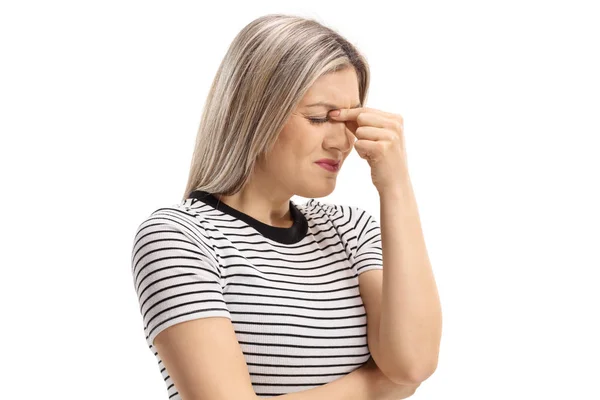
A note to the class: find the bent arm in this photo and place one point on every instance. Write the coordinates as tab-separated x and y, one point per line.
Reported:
364	383
353	386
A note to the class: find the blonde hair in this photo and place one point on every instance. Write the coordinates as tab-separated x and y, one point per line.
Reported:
268	68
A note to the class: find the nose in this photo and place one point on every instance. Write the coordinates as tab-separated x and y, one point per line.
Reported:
341	137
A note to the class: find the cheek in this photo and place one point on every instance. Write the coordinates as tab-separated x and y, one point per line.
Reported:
306	143
298	146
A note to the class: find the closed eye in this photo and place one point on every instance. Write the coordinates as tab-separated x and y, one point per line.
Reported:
317	121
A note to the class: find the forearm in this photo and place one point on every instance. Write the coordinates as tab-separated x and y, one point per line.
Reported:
352	386
411	320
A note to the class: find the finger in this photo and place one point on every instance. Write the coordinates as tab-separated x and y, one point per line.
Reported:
349	117
350	114
375	120
372	133
346	114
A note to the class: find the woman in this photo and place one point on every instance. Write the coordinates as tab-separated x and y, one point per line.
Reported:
243	292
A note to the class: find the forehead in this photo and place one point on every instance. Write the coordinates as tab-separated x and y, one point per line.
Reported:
333	90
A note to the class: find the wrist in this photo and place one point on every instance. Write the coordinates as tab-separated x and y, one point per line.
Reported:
402	185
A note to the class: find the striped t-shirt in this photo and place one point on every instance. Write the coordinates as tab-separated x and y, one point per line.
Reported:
292	294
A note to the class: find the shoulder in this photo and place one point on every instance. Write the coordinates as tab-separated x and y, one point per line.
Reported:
173	230
181	217
341	214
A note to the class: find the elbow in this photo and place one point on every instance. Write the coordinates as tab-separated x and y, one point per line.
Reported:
412	375
403	371
418	375
396	373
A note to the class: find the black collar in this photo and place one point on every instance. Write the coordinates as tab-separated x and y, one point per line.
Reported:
290	235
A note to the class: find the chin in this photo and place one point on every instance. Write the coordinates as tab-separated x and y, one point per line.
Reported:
316	192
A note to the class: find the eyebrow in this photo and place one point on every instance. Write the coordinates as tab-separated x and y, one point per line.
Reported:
329	105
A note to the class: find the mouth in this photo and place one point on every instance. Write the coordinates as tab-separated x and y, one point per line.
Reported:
329	167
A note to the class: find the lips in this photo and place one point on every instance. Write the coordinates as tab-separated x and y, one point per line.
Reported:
329	167
328	161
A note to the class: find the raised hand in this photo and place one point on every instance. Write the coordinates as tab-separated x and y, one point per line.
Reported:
380	141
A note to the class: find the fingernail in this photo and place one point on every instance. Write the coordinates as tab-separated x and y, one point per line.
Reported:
335	113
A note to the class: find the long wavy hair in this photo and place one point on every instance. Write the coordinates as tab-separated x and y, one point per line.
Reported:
268	68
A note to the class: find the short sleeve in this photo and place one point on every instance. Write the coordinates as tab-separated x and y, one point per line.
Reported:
174	276
368	253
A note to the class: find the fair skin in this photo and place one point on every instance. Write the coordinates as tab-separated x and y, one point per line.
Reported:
290	169
203	356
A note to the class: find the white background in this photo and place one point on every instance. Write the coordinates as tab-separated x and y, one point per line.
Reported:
99	107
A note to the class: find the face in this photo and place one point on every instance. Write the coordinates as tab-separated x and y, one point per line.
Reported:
309	135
